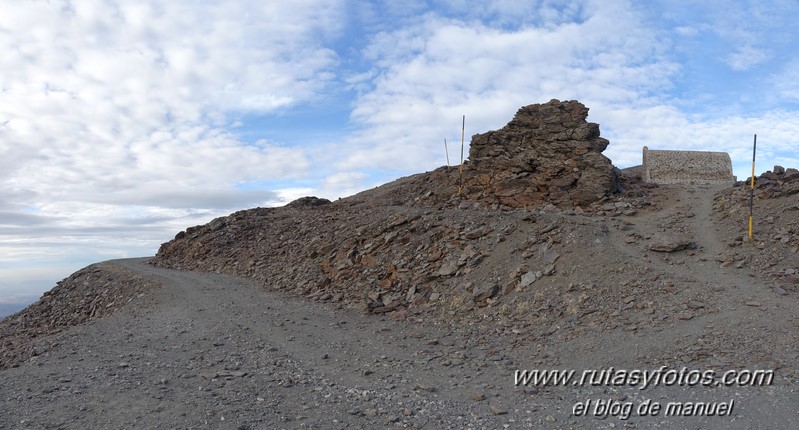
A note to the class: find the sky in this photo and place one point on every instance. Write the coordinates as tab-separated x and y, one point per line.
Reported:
124	122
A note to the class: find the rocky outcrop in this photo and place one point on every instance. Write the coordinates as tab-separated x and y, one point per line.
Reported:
777	183
773	247
309	201
547	153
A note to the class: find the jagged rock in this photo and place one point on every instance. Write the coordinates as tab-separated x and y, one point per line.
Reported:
217	224
449	268
548	254
308	201
528	279
484	292
478	232
547	153
671	243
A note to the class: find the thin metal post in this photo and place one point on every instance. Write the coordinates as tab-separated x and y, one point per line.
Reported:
463	131
446	151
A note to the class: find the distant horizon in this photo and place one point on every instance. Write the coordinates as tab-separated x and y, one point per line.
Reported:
7	309
123	123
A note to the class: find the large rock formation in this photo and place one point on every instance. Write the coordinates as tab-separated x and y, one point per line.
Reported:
547	153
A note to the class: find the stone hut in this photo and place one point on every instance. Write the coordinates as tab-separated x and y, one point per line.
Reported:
675	167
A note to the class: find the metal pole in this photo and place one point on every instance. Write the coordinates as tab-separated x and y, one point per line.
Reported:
752	189
446	151
463	131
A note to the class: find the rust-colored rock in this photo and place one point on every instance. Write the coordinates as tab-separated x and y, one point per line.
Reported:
547	153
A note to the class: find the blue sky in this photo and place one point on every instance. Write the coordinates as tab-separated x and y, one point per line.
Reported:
122	123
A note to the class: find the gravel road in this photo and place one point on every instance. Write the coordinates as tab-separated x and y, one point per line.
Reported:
216	352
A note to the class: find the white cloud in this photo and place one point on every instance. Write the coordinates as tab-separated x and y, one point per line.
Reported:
342	184
127	99
429	74
786	81
115	117
687	31
746	57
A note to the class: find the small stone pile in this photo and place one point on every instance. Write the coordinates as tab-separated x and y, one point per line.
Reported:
548	153
779	182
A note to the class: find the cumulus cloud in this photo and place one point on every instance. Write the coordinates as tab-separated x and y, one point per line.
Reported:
126	101
117	119
615	57
342	184
429	74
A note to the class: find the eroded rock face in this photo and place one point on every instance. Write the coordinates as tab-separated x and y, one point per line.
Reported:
547	153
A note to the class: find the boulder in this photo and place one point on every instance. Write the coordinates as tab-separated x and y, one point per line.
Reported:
671	243
547	153
308	201
484	292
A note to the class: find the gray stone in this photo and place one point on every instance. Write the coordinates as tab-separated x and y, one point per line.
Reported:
496	410
485	292
528	279
671	243
449	268
478	232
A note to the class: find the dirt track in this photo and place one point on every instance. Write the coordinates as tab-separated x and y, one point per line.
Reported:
214	352
211	351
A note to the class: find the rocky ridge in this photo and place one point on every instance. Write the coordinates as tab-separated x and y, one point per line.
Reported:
414	256
419	244
416	247
411	246
543	275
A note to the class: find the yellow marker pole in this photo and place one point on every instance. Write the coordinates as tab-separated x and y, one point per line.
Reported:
752	189
463	131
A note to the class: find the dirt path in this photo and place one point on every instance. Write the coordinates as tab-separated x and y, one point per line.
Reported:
729	302
211	351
